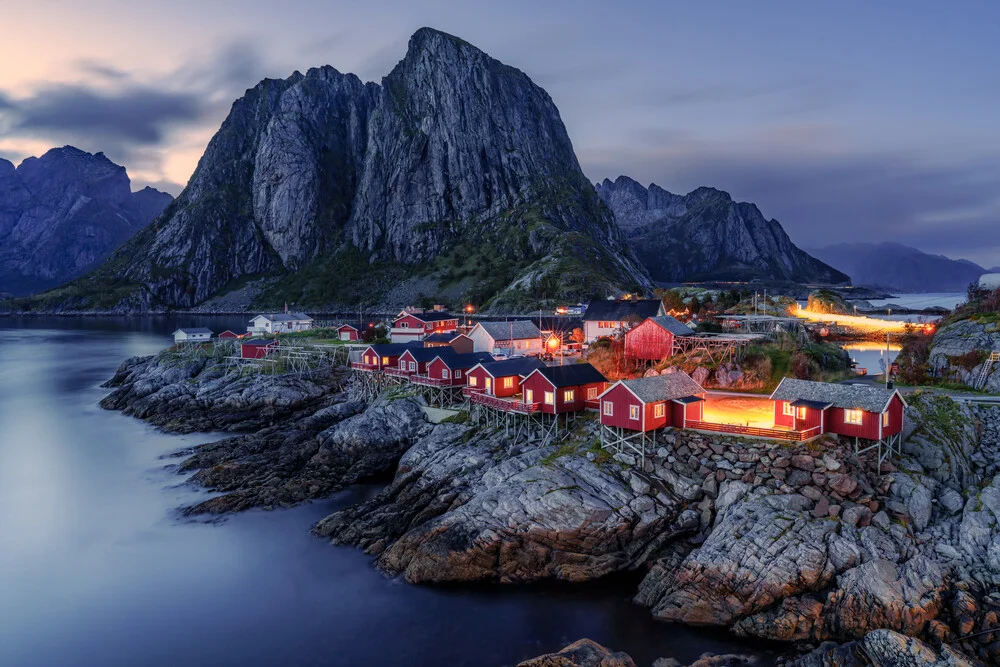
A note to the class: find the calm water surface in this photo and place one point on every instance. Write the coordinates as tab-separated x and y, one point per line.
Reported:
97	569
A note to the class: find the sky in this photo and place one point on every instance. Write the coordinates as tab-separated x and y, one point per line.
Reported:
846	121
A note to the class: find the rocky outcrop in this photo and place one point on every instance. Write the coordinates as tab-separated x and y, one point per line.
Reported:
883	648
183	391
318	172
468	506
63	213
961	348
705	235
582	653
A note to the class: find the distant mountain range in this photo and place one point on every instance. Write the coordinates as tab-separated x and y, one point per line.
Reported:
455	176
704	235
893	266
63	213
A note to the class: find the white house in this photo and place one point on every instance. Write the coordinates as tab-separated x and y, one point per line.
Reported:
192	335
606	318
280	323
514	338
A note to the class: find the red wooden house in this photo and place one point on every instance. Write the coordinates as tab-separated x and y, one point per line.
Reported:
561	389
449	369
381	356
228	335
653	338
863	411
414	326
347	332
458	342
257	348
650	403
413	361
501	378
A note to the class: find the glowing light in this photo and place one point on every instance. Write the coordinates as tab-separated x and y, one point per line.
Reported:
853	321
552	343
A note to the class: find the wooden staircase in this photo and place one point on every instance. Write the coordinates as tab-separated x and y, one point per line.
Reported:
984	372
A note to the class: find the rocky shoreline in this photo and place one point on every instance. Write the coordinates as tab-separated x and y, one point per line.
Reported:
803	543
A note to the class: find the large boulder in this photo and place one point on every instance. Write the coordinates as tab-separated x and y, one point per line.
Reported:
582	653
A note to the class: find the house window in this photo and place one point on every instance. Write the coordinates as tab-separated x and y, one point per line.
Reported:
445	374
404	325
458	374
787	409
885	419
402	365
800	413
413	365
569	395
659	410
473	381
508	383
633	412
591	393
609	408
853	417
385	361
549	398
529	395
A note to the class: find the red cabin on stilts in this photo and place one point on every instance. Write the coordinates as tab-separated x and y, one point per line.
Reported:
653	338
257	348
562	389
650	403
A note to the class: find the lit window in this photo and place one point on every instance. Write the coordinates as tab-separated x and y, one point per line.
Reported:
473	381
853	417
609	408
569	395
801	413
787	409
885	419
385	361
658	410
633	412
592	392
508	383
489	384
549	398
529	395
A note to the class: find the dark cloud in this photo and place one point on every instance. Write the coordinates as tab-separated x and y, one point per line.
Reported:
133	113
101	70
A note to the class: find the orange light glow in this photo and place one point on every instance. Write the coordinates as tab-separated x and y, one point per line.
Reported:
744	411
552	343
852	321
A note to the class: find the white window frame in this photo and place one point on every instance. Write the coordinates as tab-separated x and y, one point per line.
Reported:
473	381
609	409
458	374
787	409
404	325
800	412
659	410
591	393
550	398
854	417
529	395
633	412
402	364
445	374
569	395
413	365
508	383
885	419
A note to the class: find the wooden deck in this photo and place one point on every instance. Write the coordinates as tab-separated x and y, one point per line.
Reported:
755	432
437	382
362	366
505	404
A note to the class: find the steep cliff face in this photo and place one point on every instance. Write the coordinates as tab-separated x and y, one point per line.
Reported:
62	213
453	150
705	235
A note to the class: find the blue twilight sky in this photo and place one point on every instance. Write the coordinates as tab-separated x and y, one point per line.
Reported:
846	121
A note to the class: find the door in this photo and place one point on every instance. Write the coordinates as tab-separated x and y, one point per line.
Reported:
345	335
489	385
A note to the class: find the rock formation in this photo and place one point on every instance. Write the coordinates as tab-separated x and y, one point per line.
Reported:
705	235
64	212
894	266
321	175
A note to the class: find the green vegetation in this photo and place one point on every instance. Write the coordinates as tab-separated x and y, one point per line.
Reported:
462	417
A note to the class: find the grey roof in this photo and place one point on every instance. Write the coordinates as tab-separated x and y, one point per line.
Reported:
285	317
455	360
617	311
259	341
394	349
522	366
668	387
673	325
195	330
867	397
520	329
572	375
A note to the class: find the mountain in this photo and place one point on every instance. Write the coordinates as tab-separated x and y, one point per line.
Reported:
898	267
455	176
705	235
62	213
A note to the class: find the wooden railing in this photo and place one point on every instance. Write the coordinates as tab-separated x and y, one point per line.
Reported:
469	391
398	372
436	382
505	404
736	429
362	366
